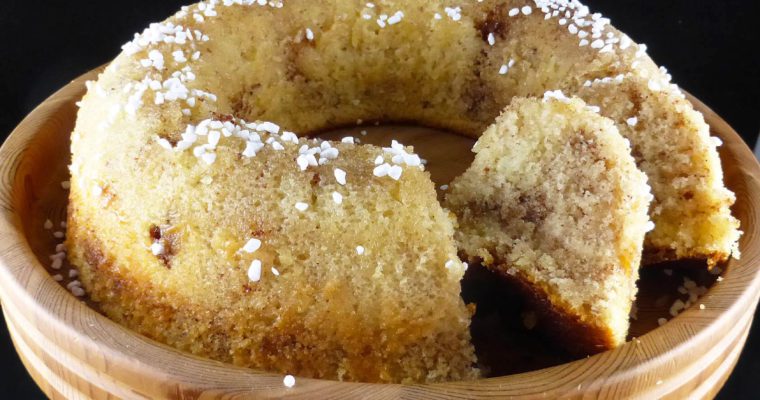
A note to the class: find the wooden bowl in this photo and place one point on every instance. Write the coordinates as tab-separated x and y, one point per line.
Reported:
72	351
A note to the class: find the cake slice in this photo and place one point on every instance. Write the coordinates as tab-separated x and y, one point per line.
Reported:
554	202
672	145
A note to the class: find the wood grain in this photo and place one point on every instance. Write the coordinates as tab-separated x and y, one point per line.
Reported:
74	352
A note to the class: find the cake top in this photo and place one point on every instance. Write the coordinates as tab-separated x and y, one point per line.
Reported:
168	53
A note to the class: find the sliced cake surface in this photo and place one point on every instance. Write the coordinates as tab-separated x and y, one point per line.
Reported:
554	201
672	145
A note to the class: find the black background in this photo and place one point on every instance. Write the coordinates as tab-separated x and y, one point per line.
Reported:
710	47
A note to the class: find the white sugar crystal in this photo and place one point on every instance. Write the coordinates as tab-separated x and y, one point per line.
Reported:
360	250
513	12
330	154
396	18
251	148
491	39
269	127
208	158
503	70
302	162
252	245
453	13
275	271
381	170
395	172
348	140
527	10
632	121
179	56
340	176
337	198
677	306
555	95
254	271
289	137
157	59
302	206
157	248
309	34
289	381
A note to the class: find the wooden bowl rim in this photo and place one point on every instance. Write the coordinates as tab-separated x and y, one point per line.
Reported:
22	275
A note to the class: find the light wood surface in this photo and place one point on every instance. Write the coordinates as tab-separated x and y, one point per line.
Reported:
74	352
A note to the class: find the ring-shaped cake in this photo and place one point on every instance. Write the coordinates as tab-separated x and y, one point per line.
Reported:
197	219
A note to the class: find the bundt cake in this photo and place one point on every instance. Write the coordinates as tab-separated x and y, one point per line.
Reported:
231	239
555	201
